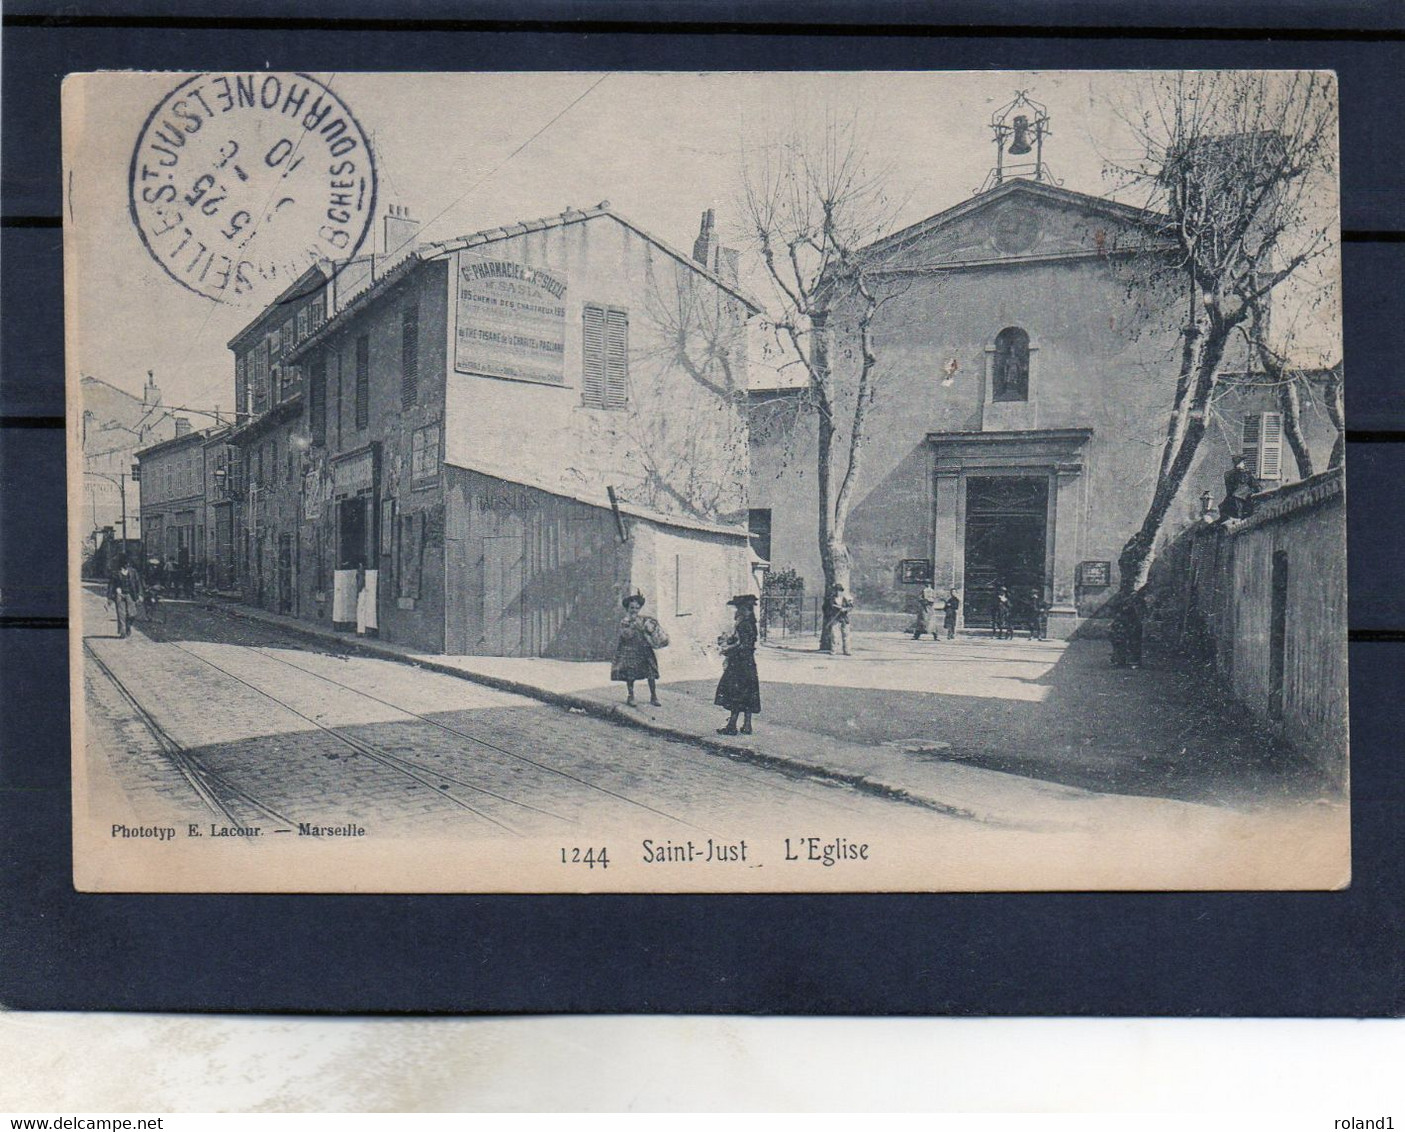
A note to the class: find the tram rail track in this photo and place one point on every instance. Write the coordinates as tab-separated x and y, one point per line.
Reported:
441	782
228	802
422	775
477	739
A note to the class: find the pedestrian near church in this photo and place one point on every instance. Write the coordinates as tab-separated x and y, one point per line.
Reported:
837	607
1002	616
1126	633
1038	616
950	608
635	658
926	614
739	690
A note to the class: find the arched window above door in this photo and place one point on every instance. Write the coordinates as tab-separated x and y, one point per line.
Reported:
1010	366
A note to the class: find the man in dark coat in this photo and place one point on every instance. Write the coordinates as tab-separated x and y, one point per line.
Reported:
1239	488
1038	616
1002	615
124	591
949	608
1126	633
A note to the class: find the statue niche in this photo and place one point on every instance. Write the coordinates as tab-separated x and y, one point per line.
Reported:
1010	366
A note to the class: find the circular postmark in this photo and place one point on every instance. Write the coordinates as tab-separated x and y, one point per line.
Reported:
240	182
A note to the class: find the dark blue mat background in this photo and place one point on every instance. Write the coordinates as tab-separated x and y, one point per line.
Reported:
1029	954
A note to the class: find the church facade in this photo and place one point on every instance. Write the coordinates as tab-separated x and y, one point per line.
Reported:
1026	364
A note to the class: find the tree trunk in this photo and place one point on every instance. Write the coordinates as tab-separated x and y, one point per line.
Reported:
1290	403
1134	563
834	555
1336	413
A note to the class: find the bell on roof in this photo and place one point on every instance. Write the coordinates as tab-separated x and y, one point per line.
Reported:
1019	144
1020	128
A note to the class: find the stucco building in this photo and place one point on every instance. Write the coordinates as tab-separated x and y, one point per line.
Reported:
173	519
115	426
1026	363
489	441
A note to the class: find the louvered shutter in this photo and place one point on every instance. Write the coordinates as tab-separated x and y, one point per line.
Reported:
317	399
409	357
593	358
1271	447
363	381
616	359
1263	446
1250	447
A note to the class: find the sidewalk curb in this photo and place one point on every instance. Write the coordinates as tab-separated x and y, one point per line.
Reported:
612	714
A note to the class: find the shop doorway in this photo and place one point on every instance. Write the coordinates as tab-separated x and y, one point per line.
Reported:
1006	537
353	532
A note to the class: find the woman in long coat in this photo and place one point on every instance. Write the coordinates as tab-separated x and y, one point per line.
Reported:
634	655
739	690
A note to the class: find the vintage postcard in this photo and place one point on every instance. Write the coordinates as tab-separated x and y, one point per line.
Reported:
586	482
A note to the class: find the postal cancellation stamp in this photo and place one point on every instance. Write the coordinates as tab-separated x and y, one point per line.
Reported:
239	182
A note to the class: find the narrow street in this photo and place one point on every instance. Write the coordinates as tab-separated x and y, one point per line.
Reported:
253	722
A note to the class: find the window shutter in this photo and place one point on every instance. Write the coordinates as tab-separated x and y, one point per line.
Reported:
1271	447
1250	447
363	381
317	400
1263	445
616	358
593	358
409	357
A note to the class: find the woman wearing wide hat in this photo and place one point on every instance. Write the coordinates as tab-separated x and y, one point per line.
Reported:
739	690
634	653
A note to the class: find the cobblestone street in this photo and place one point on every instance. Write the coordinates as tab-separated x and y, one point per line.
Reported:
322	738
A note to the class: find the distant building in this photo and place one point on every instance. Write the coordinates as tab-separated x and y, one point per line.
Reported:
173	515
114	425
481	445
224	511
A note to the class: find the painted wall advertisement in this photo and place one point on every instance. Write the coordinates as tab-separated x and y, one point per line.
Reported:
511	321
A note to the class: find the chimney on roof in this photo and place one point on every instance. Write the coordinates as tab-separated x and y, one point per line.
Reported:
182	426
400	235
708	250
706	245
151	393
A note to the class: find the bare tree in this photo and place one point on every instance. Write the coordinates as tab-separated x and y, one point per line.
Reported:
1298	373
1234	164
680	446
811	204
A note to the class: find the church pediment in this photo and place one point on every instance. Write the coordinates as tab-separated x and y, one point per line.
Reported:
1018	220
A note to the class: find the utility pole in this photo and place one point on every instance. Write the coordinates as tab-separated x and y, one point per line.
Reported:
121	482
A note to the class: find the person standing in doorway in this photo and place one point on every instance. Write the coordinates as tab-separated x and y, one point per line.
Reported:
739	690
635	658
949	611
1038	616
1001	619
926	614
